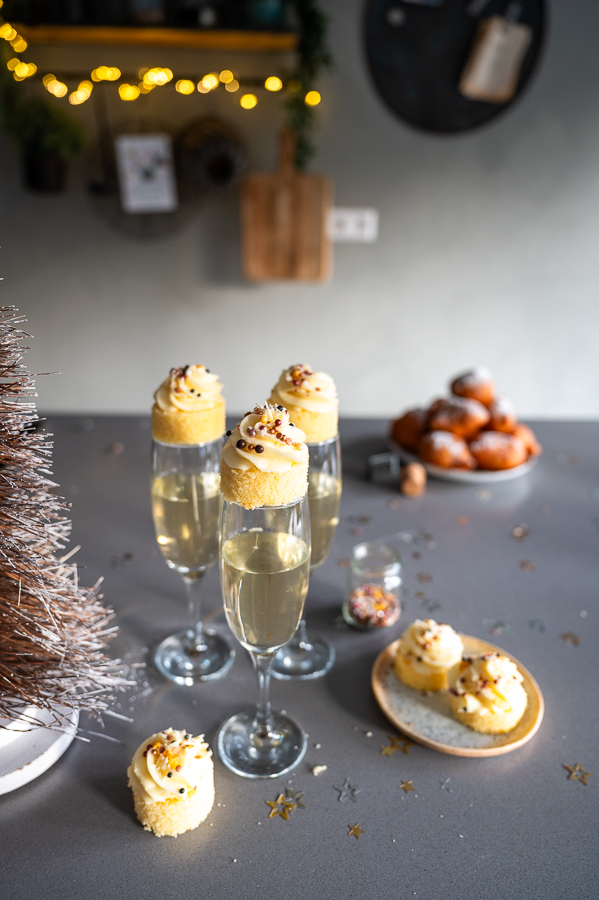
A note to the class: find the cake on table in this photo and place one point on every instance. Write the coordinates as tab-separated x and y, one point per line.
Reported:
189	407
487	693
427	652
265	460
172	779
311	398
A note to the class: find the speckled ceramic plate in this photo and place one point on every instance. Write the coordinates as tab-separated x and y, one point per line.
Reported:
428	719
466	476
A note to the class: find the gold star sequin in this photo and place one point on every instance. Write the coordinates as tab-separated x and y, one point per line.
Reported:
356	831
400	743
407	786
280	807
577	773
570	638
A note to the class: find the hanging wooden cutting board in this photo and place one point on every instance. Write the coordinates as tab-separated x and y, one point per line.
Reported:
284	222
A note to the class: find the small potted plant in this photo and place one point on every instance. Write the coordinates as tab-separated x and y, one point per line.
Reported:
48	137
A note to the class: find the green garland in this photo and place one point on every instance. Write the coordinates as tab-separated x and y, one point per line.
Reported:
313	56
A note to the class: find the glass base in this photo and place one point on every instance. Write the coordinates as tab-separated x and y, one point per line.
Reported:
176	660
303	660
247	752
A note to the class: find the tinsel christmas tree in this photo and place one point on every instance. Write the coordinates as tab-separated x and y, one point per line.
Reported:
53	631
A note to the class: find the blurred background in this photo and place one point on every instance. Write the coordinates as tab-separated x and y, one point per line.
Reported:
486	251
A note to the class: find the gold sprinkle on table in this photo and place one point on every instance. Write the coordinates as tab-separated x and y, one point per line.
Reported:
407	786
401	743
356	831
527	566
570	638
424	577
577	773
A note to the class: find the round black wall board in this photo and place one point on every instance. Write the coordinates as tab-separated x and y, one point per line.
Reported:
416	54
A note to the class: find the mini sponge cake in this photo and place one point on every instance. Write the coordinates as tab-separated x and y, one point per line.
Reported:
487	693
426	653
189	407
311	398
265	460
172	779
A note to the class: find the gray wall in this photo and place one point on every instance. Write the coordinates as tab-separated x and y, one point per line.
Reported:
488	251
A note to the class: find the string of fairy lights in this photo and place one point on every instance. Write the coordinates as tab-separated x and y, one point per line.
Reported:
147	79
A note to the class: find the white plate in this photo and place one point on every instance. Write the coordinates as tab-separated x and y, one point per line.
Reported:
427	718
465	476
30	753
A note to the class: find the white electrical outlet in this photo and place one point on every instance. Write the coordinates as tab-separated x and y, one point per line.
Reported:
353	225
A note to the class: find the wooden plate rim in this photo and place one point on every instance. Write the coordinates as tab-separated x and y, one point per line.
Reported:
386	655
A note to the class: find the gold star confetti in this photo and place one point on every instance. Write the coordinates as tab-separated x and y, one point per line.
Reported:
281	807
396	744
577	773
570	638
423	577
527	566
407	786
298	799
462	520
343	563
520	532
356	831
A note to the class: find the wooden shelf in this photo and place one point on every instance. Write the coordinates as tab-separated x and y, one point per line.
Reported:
245	41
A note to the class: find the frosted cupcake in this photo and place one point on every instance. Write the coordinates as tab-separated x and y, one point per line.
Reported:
172	779
265	460
189	407
426	652
487	693
311	398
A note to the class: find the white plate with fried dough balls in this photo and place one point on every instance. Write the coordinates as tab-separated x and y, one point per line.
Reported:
465	476
471	436
426	717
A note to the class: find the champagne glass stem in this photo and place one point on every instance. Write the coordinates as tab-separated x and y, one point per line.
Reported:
195	632
262	664
300	640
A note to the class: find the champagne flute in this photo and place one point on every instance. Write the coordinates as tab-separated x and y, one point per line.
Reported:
186	505
309	654
265	568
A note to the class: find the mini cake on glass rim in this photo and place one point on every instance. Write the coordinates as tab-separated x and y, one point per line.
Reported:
189	407
188	424
311	398
172	779
487	693
265	460
426	653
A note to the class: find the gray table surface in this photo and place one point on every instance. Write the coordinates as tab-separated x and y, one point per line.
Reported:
512	826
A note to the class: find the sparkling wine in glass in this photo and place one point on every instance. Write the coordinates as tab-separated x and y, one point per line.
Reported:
186	505
265	569
309	654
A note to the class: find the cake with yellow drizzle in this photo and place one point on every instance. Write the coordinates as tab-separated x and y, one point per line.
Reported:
311	398
189	407
427	651
265	460
487	693
172	779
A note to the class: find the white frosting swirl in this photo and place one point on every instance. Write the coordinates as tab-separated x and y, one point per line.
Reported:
431	645
300	387
489	684
170	764
189	389
267	427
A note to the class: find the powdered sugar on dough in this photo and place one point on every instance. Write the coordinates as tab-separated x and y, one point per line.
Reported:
477	376
440	439
502	406
494	440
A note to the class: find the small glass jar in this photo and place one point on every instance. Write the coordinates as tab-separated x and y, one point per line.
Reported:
373	597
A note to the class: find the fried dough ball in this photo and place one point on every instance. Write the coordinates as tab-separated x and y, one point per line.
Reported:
445	449
408	429
460	415
503	415
528	438
496	450
476	384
